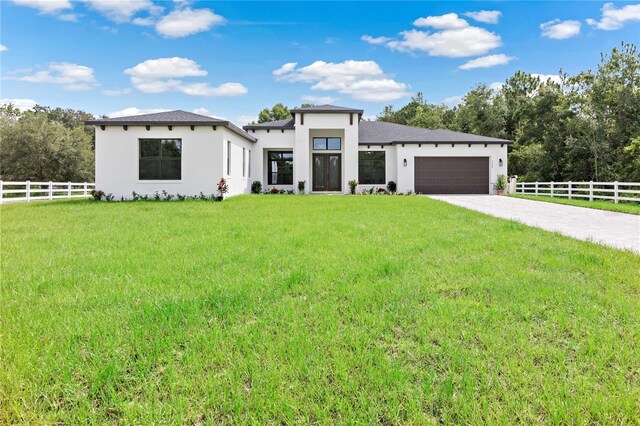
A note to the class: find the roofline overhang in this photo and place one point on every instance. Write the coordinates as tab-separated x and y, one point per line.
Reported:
348	111
250	127
505	142
229	125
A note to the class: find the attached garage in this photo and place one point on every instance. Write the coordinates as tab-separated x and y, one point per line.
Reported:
451	175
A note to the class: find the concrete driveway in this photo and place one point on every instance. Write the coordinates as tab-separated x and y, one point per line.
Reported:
613	229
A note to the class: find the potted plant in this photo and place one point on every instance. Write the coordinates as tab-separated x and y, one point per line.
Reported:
352	186
500	185
223	188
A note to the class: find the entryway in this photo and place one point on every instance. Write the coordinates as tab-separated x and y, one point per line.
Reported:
327	172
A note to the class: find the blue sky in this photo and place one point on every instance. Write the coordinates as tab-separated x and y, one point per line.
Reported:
231	59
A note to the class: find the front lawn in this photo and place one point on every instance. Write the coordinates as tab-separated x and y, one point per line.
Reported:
310	309
623	207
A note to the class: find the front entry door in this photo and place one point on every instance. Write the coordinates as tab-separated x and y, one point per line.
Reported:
327	172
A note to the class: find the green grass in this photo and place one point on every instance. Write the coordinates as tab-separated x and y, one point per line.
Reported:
316	309
624	207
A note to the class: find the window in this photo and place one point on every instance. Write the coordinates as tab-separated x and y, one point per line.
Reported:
371	166
280	168
324	144
160	159
244	163
228	158
249	164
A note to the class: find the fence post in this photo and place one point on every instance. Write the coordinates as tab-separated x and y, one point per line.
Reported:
27	187
615	192
551	192
590	190
1	191
569	189
85	189
536	187
68	189
50	190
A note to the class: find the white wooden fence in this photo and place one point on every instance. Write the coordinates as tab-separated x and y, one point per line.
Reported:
32	191
613	191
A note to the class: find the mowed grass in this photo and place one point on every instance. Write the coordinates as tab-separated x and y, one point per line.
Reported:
622	207
310	309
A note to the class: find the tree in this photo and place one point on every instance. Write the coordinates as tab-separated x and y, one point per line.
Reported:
277	112
480	113
37	148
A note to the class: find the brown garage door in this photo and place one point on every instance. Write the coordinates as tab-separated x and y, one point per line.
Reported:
452	175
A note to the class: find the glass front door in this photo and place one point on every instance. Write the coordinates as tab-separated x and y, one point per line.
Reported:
327	172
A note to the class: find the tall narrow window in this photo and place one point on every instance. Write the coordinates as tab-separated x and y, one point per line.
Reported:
280	168
228	157
371	167
249	164
244	163
160	159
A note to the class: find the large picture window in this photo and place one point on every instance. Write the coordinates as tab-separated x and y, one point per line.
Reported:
160	159
280	168
371	165
327	144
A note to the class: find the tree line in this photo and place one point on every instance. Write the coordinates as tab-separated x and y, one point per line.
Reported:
580	128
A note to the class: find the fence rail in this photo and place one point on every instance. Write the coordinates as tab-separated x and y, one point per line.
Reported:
612	191
34	191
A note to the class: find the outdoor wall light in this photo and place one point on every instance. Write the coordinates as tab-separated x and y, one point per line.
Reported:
500	162
405	162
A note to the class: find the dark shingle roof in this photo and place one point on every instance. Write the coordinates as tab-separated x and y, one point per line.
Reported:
288	123
327	109
168	118
381	132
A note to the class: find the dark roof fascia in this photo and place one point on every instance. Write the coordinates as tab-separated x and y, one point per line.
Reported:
498	142
235	129
344	111
251	127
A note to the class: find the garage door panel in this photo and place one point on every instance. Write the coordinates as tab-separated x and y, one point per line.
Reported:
451	175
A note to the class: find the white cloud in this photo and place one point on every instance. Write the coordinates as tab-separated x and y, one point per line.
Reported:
3	48
555	78
560	30
496	85
70	76
362	80
69	17
288	67
453	100
319	100
121	11
166	68
165	74
614	19
184	22
375	40
487	61
449	21
21	104
201	111
45	6
117	92
486	16
134	111
144	22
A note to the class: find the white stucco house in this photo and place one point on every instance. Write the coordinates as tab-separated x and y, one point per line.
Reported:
325	146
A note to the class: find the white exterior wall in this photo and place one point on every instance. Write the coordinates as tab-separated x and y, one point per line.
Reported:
406	173
238	180
273	140
203	160
318	125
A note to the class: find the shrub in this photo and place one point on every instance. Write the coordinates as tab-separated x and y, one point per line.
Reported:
301	185
274	191
97	194
352	186
256	187
501	182
392	187
223	187
381	191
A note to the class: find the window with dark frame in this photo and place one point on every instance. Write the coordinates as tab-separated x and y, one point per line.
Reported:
228	158
160	159
244	162
371	167
327	144
280	168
